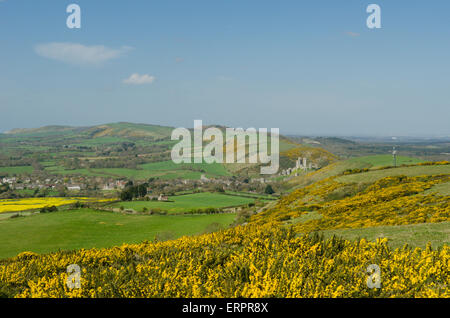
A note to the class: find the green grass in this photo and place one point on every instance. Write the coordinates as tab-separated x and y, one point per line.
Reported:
415	235
101	141
442	189
378	161
27	192
16	170
163	170
185	203
62	171
341	166
257	196
373	176
305	218
84	228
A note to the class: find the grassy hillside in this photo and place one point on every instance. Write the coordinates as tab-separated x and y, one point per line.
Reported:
372	176
84	228
248	261
129	130
386	197
107	130
162	170
367	162
385	160
415	235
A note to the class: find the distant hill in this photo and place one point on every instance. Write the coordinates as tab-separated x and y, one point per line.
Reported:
44	131
125	130
129	130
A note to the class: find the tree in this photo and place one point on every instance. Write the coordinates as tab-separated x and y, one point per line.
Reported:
269	189
126	195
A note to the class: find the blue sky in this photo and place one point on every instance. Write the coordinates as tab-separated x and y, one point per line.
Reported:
306	67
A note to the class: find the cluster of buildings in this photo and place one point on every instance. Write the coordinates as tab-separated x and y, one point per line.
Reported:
300	164
160	197
114	185
54	183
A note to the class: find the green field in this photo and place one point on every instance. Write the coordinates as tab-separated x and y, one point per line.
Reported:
372	176
84	228
162	170
16	170
185	203
263	197
378	161
415	235
442	189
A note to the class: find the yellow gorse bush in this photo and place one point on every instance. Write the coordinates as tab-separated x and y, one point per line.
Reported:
250	261
390	201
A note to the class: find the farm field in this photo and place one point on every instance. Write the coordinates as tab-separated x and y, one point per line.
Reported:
86	228
253	195
16	170
185	203
16	205
162	170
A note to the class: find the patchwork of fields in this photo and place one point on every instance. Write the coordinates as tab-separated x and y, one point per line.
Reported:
162	170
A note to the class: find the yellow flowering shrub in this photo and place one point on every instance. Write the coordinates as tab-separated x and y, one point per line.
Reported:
390	201
245	261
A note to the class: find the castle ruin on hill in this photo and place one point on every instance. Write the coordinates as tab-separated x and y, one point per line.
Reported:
300	164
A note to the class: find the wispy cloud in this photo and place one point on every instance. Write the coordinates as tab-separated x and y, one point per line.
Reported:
179	59
136	79
352	34
75	53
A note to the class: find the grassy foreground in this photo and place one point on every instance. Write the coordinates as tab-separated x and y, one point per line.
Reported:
240	262
87	228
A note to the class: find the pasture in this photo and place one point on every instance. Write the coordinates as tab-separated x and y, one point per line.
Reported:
162	170
16	170
86	228
188	202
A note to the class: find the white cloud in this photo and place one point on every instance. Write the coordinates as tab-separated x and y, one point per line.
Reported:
136	79
74	53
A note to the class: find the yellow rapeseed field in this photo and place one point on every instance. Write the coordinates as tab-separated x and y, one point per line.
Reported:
16	205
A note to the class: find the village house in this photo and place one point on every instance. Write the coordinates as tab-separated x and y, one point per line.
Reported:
74	187
162	197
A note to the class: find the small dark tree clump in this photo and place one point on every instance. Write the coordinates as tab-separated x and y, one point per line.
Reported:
269	189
